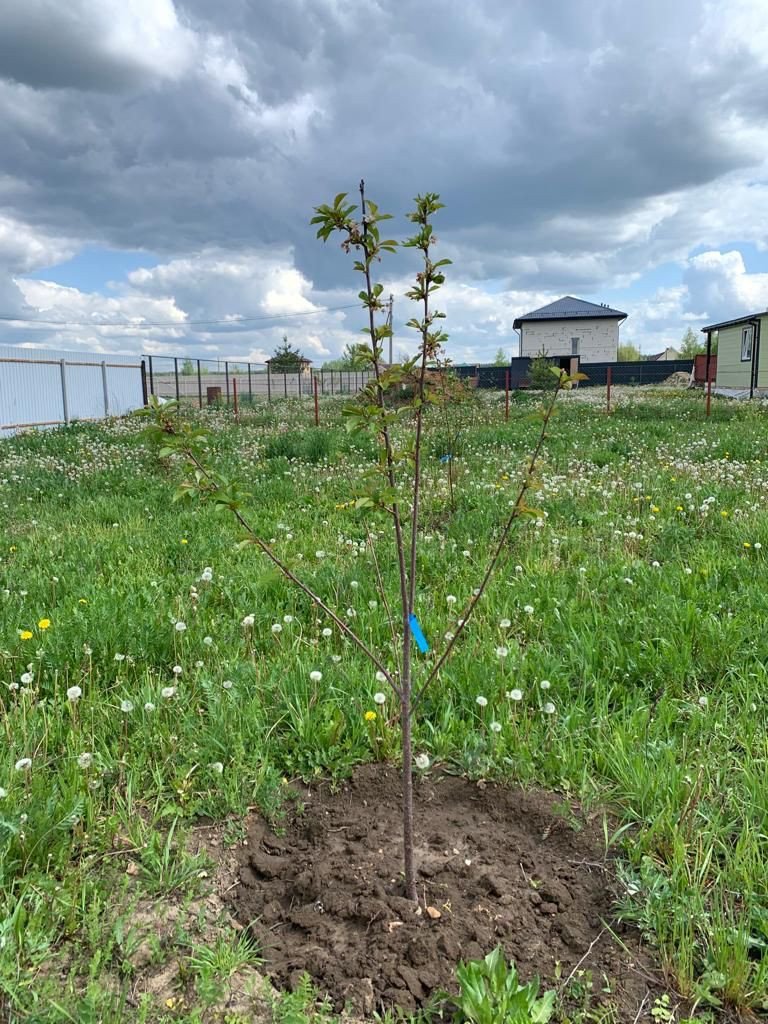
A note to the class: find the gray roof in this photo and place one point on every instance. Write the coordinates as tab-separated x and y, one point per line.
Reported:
733	323
570	308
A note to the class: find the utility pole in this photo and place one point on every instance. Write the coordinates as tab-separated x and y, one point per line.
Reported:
389	324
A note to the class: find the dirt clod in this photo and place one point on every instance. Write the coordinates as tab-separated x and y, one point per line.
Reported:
327	897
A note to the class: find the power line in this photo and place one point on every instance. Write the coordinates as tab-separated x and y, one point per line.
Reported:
9	318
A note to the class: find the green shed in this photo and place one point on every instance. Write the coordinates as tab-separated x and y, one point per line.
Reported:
742	368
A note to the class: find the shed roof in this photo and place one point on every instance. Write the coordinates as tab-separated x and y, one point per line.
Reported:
733	323
570	308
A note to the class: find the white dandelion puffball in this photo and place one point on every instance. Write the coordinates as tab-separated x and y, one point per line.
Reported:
380	677
528	609
502	652
379	698
327	631
3	793
422	762
482	701
248	621
545	684
514	694
74	693
276	627
149	706
126	706
23	764
315	676
495	726
505	623
207	574
208	641
703	702
27	678
227	684
180	626
287	619
177	670
167	692
549	708
217	767
451	599
85	760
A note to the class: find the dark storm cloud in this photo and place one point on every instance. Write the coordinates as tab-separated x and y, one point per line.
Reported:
546	127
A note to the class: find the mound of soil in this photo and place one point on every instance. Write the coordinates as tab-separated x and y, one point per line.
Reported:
498	866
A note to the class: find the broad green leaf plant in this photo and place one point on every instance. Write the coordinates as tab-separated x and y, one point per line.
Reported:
393	484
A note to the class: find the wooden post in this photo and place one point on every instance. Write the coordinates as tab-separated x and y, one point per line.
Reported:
105	387
226	376
506	398
199	385
269	383
250	385
709	394
234	395
317	409
176	377
144	395
608	389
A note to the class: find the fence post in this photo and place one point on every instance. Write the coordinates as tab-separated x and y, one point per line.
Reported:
176	377
104	387
709	394
317	409
298	381
506	399
226	378
331	381
144	395
151	377
234	395
64	402
199	385
285	384
269	383
250	385
608	389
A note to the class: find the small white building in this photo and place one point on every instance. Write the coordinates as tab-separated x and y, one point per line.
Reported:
571	327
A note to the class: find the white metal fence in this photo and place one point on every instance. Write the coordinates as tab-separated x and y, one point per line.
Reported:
42	388
52	388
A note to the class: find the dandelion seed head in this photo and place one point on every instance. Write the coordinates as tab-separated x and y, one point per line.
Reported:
315	676
422	762
515	694
379	698
85	760
481	701
74	693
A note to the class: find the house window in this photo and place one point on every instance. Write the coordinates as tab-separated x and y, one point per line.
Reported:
746	343
575	346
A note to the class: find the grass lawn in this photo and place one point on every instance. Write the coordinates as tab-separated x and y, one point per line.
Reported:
153	675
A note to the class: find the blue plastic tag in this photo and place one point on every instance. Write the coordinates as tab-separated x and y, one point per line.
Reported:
418	636
446	458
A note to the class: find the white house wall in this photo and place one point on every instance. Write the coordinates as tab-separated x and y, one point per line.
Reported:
598	338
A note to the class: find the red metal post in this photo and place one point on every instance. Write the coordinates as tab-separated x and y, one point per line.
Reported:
709	395
608	376
317	408
506	399
234	396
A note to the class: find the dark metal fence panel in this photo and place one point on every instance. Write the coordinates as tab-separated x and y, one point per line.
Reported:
635	373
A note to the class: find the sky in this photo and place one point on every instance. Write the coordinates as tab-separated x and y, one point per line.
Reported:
161	159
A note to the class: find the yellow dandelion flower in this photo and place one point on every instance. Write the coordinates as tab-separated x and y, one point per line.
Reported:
654	508
747	544
184	540
370	716
26	634
43	623
724	514
12	548
679	508
82	600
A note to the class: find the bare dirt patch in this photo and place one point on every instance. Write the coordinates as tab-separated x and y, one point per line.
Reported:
500	866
